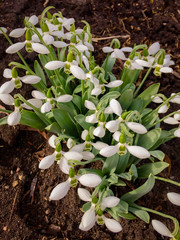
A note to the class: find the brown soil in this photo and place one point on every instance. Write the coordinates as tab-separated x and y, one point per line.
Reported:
25	212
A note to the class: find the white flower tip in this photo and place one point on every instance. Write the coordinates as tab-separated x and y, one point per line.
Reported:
161	228
174	198
90	180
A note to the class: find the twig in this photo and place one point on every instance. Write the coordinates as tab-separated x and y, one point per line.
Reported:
12	210
111	37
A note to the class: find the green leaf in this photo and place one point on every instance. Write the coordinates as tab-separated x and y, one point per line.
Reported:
143	215
126	99
120	183
137	105
77	101
108	65
3	120
108	96
86	206
128	76
158	154
126	176
110	164
113	214
154	168
148	139
122	207
164	137
30	119
147	94
122	163
54	128
39	72
127	216
81	120
65	121
140	191
62	54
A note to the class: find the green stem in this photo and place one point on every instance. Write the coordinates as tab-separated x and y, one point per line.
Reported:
167	180
176	223
142	82
20	56
162	119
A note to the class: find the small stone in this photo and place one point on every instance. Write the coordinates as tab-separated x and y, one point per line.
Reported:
15	183
5	228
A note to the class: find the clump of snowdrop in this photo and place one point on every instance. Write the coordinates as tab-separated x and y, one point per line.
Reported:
93	116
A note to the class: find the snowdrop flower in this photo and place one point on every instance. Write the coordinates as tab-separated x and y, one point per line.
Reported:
117	53
174	198
156	99
15	81
15	116
60	190
92	215
58	155
174	120
18	32
122	147
113	125
76	71
161	228
175	99
6	98
3	29
49	100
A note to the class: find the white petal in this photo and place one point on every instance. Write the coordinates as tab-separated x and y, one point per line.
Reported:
7	87
86	62
35	102
31	79
48	39
161	228
73	155
38	94
63	165
81	227
116	135
134	65
64	98
15	47
118	53
35	38
115	83
157	100
6	98
40	48
14	118
171	120
96	91
163	109
154	48
84	194
81	48
174	198
99	132
136	127
113	125
176	99
7	73
84	134
99	145
87	155
166	70
89	218
67	23
59	34
33	19
109	151
143	63
60	44
52	141
53	65
109	202
91	119
18	32
177	133
126	49
89	45
4	30
77	72
138	151
107	49
46	107
112	225
47	161
90	180
108	110
177	116
78	148
116	107
60	191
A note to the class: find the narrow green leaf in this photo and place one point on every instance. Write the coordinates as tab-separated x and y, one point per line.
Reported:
158	154
154	168
39	72
148	139
65	122
108	65
126	99
30	119
127	216
122	163
164	137
86	206
81	120
143	215
54	128
110	164
3	120
139	192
